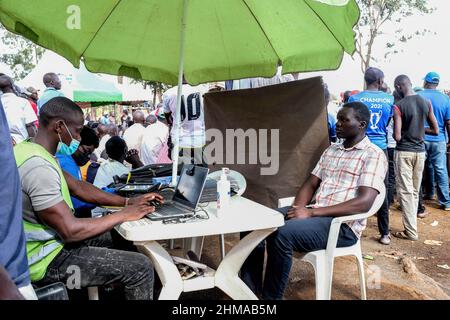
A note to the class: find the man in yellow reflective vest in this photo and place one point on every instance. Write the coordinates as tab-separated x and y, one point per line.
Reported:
61	247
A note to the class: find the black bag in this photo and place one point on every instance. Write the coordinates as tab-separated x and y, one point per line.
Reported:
146	173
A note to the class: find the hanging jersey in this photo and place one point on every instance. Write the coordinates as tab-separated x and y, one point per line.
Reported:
192	130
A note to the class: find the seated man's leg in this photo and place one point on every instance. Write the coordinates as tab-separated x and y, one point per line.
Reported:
97	266
302	235
111	239
252	269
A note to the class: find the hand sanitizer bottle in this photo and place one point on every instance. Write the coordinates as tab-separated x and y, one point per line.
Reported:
223	191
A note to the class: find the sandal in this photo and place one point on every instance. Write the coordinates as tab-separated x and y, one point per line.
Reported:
403	235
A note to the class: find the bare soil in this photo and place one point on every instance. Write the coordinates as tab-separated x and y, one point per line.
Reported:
403	270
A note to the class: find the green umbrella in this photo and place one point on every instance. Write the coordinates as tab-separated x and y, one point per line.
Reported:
206	40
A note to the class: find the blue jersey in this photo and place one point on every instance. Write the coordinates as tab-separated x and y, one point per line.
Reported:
381	109
441	109
331	127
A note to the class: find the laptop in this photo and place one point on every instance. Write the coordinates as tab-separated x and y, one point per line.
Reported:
186	196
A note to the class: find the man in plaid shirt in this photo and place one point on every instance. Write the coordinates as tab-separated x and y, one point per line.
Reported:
347	179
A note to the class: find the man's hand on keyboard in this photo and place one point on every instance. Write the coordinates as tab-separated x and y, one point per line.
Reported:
146	198
135	212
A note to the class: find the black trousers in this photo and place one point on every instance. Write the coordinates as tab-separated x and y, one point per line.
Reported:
97	264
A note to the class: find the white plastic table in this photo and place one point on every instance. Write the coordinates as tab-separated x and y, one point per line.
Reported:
242	215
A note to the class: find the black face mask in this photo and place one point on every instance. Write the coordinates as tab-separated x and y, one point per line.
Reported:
81	159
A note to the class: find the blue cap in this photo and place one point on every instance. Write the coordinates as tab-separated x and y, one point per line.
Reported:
432	77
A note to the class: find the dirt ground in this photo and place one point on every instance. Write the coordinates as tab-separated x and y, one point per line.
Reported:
404	270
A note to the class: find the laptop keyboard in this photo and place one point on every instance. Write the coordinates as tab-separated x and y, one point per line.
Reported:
165	210
209	195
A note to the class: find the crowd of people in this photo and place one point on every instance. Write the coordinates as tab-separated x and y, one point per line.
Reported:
411	126
60	167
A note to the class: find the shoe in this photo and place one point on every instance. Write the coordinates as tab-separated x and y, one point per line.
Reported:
446	208
386	240
403	235
422	215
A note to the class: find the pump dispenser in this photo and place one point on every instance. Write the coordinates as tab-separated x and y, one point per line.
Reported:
223	191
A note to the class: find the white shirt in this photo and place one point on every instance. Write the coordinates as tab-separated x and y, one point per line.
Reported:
192	131
155	136
19	113
101	147
133	136
108	169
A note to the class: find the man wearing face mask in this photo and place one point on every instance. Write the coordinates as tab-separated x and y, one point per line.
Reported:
56	239
71	164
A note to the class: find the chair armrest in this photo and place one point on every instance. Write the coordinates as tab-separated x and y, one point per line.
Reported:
353	217
335	226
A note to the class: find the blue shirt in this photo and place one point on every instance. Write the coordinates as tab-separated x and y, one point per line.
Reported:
48	94
70	166
331	127
441	109
104	120
381	109
13	254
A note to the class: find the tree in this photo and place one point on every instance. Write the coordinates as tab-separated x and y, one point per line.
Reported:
374	15
23	54
157	88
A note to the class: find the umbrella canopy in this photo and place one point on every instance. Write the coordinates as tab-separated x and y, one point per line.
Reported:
204	40
224	40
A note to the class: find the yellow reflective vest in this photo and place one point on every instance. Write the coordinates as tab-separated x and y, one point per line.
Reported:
43	243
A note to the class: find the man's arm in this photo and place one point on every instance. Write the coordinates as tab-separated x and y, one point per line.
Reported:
397	124
360	204
306	191
447	126
72	229
90	193
169	119
432	122
8	290
132	157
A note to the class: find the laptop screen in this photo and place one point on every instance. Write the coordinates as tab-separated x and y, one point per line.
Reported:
190	186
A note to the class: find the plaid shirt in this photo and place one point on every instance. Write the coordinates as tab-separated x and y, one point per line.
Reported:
342	171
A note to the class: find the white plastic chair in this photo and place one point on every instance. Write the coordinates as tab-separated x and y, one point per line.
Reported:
323	260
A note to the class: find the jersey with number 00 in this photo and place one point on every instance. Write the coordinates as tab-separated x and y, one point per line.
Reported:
192	130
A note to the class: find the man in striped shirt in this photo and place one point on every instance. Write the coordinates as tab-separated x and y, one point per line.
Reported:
347	179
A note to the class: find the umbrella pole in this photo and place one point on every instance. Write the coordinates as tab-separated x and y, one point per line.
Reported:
176	147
